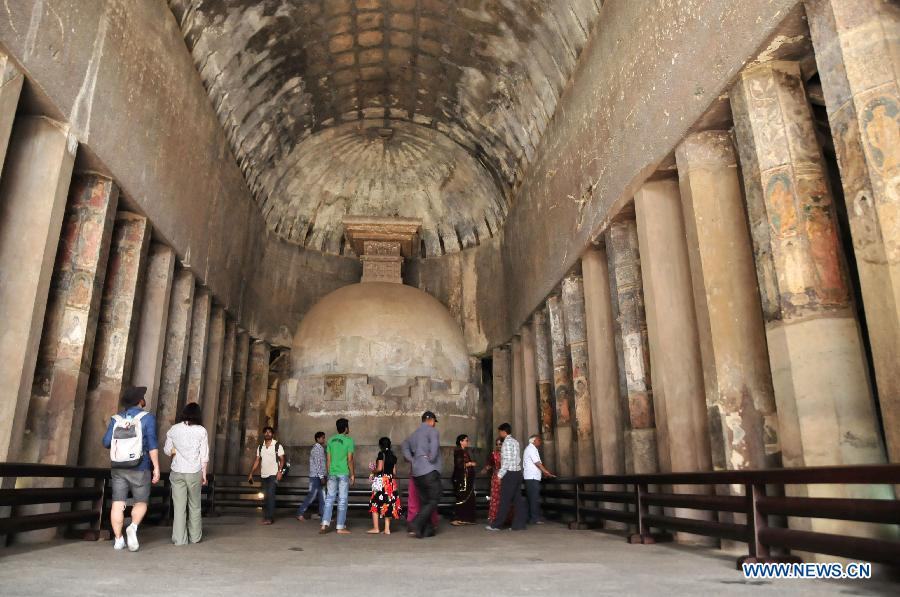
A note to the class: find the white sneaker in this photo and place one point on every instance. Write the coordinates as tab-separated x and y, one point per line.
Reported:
131	534
119	544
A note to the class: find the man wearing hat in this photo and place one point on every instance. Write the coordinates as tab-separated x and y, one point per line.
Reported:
137	478
423	450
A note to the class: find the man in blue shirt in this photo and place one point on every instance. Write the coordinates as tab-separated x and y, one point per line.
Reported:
135	480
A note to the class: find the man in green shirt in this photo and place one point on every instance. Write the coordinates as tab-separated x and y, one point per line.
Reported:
339	464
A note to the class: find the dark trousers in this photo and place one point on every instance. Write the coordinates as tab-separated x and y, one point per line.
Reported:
315	490
269	484
511	493
429	490
533	492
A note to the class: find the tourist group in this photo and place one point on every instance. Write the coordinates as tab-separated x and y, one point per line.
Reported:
134	454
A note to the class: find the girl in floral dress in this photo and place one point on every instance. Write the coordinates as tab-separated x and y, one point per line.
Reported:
385	500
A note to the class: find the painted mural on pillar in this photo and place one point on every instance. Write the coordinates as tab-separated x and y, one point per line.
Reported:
563	391
545	396
880	121
583	420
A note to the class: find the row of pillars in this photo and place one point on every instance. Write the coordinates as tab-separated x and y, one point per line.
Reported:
730	284
92	303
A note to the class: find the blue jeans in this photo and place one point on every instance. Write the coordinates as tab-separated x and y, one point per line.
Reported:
315	490
338	487
269	487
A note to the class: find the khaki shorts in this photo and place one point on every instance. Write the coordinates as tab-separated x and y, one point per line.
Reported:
125	481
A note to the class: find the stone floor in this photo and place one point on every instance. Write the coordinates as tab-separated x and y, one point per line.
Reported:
240	557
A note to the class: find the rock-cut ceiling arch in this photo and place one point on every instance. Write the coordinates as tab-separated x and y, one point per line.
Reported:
423	108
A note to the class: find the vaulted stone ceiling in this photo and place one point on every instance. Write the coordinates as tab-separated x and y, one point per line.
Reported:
418	108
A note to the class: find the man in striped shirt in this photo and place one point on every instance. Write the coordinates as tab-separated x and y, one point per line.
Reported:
316	477
510	475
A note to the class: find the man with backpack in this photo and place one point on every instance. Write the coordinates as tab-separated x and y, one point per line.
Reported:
270	462
134	460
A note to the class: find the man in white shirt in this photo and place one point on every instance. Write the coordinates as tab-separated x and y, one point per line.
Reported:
270	461
532	470
510	475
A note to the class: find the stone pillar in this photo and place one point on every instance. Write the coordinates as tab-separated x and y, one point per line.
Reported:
502	381
576	340
56	410
255	407
856	49
518	379
483	434
151	338
544	373
602	364
11	80
562	389
826	412
739	396
631	330
116	331
173	380
33	192
199	345
213	383
672	325
279	371
223	411
238	401
673	339
529	376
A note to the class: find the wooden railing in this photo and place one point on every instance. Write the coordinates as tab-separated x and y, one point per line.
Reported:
233	491
80	503
82	500
641	499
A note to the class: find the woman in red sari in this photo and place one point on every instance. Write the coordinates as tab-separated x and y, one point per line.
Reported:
492	466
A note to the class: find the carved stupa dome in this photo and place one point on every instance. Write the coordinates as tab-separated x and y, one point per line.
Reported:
381	329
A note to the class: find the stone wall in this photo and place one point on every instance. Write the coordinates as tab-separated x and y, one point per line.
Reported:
376	406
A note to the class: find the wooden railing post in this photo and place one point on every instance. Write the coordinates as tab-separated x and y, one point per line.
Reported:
757	523
211	483
99	483
641	510
577	525
578	504
167	500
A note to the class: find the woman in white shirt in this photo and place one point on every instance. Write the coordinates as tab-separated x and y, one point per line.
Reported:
188	444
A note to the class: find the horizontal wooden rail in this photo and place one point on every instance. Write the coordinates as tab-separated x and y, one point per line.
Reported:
721	503
648	502
33	522
20	469
722	530
620	497
609	514
860	548
859	474
42	495
860	510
